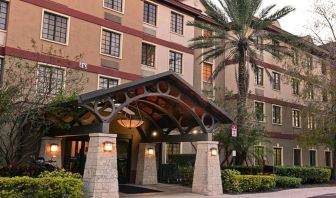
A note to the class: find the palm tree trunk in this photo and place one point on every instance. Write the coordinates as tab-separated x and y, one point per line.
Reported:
242	85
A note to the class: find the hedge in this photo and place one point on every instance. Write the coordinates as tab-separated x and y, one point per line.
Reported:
287	182
309	175
235	183
182	160
20	187
187	174
247	170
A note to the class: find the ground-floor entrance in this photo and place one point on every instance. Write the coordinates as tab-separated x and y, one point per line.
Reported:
75	154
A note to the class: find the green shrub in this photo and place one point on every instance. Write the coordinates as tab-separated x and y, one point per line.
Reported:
235	183
247	170
20	187
60	173
30	170
186	174
287	182
182	160
309	175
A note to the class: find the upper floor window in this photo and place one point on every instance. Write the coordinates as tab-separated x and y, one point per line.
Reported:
325	95
50	80
175	62
276	48
259	76
148	55
3	14
55	27
276	81
259	109
116	5
296	118
150	13
311	122
308	62
176	23
324	68
311	92
295	58
207	72
105	82
276	114
111	43
295	87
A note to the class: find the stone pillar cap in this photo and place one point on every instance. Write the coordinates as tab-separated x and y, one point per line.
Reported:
103	135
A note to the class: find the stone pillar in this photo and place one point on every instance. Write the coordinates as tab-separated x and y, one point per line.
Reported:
47	154
146	166
101	172
207	175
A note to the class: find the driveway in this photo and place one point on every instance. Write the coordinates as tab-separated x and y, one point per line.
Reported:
174	191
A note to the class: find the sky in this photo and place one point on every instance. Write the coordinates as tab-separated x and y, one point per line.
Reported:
296	22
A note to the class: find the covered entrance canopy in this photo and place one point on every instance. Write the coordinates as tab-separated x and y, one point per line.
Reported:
165	102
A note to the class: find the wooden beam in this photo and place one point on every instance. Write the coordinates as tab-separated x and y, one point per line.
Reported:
78	131
182	138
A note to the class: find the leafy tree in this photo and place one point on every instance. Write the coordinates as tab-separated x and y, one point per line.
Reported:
26	113
240	29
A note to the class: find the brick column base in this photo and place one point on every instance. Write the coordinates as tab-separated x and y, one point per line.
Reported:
146	166
207	175
101	172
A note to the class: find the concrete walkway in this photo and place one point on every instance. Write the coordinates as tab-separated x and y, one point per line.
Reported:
175	191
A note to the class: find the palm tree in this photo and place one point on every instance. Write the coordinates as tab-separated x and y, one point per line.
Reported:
238	29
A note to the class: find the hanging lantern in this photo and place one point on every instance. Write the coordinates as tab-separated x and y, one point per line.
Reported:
131	121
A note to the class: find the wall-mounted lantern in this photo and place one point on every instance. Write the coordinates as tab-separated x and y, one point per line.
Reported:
154	134
108	146
213	151
53	147
150	151
194	132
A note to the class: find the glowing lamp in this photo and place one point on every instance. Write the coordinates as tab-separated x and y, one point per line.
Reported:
150	151
214	152
53	147
129	123
154	134
108	146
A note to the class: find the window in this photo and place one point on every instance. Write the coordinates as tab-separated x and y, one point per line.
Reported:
259	108
276	81
148	55
105	82
55	27
296	117
116	5
259	152
3	15
1	69
297	157
308	62
277	156
259	76
175	62
311	91
276	114
324	68
276	48
327	158
311	122
176	23
295	58
111	43
50	80
295	87
324	95
172	149
207	72
312	157
260	43
150	11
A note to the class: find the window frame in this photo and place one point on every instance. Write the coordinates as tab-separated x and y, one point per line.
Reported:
117	11
264	111
39	64
156	13
173	12
109	77
121	43
256	75
331	158
316	160
2	70
174	51
301	159
296	89
273	81
7	14
299	120
207	63
166	149
264	154
281	148
281	113
68	27
155	55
